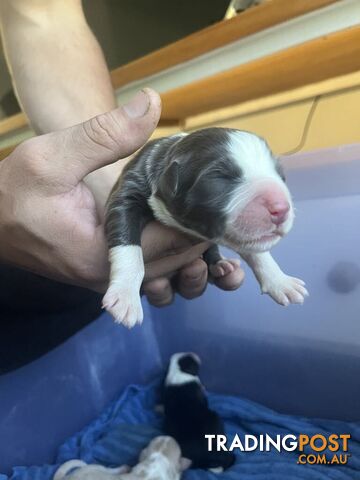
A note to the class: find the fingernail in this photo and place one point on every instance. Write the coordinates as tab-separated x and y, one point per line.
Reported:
138	106
196	278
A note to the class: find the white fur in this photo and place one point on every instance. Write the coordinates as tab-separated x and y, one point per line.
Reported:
122	298
281	287
252	155
79	470
175	376
164	216
160	460
156	466
67	467
216	470
255	160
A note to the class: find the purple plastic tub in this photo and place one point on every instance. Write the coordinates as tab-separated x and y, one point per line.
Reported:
301	359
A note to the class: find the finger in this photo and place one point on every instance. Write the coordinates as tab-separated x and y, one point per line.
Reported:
79	150
233	280
191	281
159	292
158	240
168	250
172	263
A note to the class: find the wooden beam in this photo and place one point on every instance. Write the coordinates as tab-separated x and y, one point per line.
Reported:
19	121
4	152
313	61
222	33
250	21
330	86
327	89
254	20
15	122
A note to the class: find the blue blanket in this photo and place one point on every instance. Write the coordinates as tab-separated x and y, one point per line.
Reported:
130	422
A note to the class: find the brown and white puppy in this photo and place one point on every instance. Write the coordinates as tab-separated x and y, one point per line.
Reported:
160	460
218	184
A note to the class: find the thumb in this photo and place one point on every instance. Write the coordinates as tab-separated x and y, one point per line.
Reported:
106	138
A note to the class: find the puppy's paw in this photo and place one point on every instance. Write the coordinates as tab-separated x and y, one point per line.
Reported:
122	469
285	289
223	267
124	305
216	470
227	274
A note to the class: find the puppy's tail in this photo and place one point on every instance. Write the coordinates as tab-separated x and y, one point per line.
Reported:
66	467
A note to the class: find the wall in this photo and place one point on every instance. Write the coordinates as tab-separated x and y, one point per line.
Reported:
335	122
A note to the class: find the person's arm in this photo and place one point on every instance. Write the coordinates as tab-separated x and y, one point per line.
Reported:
58	70
48	221
61	79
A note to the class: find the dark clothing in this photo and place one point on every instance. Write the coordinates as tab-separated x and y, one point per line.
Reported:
37	314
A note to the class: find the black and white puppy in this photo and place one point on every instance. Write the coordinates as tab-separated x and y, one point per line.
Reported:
188	417
217	184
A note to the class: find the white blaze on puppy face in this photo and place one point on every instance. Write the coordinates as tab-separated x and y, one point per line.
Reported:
261	210
175	375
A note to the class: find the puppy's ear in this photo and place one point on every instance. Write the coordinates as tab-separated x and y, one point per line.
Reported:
185	463
169	181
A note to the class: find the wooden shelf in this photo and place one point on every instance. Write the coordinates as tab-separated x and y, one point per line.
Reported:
251	21
337	85
313	61
15	122
316	60
4	152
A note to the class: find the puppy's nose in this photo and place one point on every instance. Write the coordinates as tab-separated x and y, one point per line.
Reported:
279	212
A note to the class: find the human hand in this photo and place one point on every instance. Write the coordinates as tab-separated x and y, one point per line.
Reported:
48	219
163	275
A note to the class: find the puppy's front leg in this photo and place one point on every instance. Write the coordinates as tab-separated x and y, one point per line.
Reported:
124	224
281	287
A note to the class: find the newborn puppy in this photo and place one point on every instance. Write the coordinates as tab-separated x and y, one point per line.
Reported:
218	184
160	460
188	417
79	470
